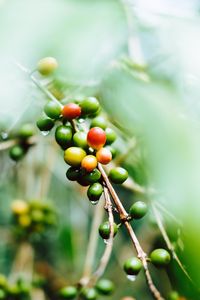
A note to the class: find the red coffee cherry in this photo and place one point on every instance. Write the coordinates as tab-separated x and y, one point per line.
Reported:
71	111
104	156
96	138
89	163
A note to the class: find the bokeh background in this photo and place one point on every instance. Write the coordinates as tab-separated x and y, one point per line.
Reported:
141	60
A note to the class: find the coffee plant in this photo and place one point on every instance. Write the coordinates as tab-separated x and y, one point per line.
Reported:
88	143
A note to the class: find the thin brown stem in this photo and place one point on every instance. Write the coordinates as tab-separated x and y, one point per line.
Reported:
140	252
109	243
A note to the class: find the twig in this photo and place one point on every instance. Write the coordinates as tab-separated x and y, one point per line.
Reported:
109	245
168	242
92	245
123	216
8	144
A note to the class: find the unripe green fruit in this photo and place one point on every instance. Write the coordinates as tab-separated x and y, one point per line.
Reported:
160	257
118	175
3	281
112	150
110	136
95	191
68	292
16	152
2	294
93	176
80	139
138	210
37	216
73	156
53	110
73	174
89	105
63	136
47	65
105	287
26	131
99	121
45	124
89	294
132	266
173	296
104	230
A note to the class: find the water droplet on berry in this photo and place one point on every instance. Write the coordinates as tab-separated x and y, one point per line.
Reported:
81	120
4	135
94	202
131	277
44	133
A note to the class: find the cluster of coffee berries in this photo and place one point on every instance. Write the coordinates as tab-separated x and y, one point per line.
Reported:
32	217
83	148
22	145
19	290
104	287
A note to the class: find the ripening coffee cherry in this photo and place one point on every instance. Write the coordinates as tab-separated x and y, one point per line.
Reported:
173	295
96	138
73	156
45	124
47	65
104	156
89	105
104	230
118	175
160	257
80	140
63	136
89	163
26	131
105	287
19	207
99	121
138	210
93	176
72	174
110	136
89	294
68	292
132	266
24	220
95	191
53	110
3	281
16	152
71	111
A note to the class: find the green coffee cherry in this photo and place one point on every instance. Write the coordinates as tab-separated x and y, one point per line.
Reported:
3	281
68	292
105	287
95	191
52	110
89	294
80	140
99	121
47	65
112	150
26	131
16	152
37	216
89	105
132	266
138	210
93	176
173	295
104	230
160	257
45	124
63	136
2	294
118	175
110	136
72	174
